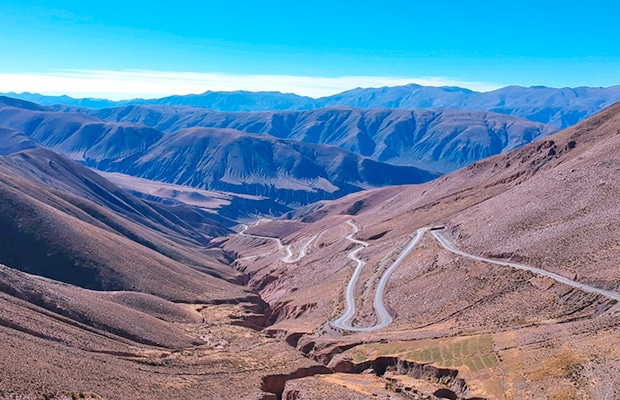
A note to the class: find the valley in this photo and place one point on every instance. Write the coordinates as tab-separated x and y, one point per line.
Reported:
217	262
319	200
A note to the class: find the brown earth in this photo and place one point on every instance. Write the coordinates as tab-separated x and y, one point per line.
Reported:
105	295
551	204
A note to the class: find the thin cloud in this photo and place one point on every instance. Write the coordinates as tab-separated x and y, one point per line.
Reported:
117	85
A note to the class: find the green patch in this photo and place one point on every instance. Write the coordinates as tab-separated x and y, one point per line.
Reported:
489	360
479	364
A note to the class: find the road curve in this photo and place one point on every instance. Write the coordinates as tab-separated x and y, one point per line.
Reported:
302	252
586	288
289	252
383	317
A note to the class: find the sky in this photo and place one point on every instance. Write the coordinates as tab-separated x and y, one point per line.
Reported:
127	49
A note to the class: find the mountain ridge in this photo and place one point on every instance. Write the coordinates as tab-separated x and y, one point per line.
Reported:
283	170
560	107
441	140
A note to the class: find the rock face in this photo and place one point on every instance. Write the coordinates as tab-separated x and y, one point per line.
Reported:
439	140
274	384
445	376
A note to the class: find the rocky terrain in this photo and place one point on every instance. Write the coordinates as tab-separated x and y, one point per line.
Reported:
149	293
509	333
104	295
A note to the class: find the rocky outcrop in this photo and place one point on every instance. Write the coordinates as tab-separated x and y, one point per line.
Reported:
454	386
252	321
286	311
274	384
322	351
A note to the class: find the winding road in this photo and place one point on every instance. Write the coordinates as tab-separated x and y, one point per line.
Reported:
383	317
586	288
289	252
302	252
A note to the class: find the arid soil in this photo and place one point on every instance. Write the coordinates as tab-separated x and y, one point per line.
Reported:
552	205
105	295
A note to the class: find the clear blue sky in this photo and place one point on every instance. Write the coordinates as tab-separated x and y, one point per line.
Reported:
552	43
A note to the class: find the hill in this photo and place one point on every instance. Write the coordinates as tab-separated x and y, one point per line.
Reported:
63	221
549	205
12	141
97	286
287	172
440	140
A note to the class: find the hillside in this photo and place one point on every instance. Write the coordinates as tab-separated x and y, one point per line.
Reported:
285	171
550	205
12	141
562	107
77	136
63	221
97	286
440	140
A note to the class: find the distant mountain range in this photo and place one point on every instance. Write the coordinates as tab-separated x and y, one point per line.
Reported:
557	107
285	171
439	140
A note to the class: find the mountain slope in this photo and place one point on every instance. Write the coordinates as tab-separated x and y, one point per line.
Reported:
67	177
551	204
235	101
55	232
114	298
12	141
286	171
557	107
441	140
79	136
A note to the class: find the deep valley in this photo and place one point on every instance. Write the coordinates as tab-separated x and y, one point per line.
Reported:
157	251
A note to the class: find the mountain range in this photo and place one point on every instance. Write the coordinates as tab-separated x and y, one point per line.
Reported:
114	286
439	140
559	107
284	171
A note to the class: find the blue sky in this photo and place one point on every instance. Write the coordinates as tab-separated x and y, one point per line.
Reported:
121	49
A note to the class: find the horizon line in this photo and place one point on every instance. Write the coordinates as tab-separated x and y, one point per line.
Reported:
147	84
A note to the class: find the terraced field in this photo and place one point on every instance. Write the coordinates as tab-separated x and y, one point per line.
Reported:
473	356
